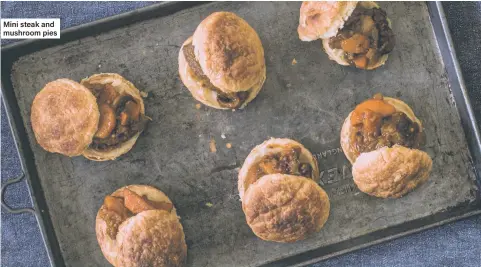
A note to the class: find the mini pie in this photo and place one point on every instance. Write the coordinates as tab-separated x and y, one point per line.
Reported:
223	63
100	118
353	33
280	196
138	226
381	138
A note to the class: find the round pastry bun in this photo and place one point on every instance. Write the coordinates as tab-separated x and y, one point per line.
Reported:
338	54
269	147
285	208
229	52
391	172
122	86
163	231
203	93
322	20
64	117
399	105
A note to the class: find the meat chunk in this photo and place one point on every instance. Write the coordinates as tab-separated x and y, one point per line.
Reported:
107	121
113	214
286	162
116	205
136	204
189	55
358	43
127	121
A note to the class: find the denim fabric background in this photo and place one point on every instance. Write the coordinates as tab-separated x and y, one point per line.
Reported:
455	244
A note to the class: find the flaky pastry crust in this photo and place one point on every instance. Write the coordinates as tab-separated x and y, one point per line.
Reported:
230	52
247	176
322	20
285	208
64	117
150	238
391	172
122	86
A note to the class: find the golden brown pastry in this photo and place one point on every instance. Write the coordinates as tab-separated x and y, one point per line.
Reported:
352	33
64	117
138	226
280	196
277	155
100	118
223	63
391	171
381	138
285	208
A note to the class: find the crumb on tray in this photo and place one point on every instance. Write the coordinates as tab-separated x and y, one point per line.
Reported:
198	106
294	62
228	145
208	204
213	149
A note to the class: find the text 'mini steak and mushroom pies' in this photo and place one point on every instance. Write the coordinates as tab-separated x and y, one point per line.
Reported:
353	33
381	137
138	226
278	187
222	63
99	118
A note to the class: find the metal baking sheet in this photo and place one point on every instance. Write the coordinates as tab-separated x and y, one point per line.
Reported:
307	102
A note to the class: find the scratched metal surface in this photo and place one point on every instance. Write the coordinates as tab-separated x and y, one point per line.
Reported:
307	102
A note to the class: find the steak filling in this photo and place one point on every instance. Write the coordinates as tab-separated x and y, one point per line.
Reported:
226	100
376	124
365	37
286	161
120	117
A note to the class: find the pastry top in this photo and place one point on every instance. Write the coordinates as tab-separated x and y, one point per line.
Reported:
285	208
399	105
322	20
229	52
123	87
64	117
249	173
391	172
149	238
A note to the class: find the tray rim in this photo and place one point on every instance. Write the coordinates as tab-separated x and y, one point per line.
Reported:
11	52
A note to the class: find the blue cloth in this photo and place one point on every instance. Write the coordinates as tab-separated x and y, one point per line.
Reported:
455	244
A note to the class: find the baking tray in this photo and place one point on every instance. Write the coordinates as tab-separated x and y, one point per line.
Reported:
307	101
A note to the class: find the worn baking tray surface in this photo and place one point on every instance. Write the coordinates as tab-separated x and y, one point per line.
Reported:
307	101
